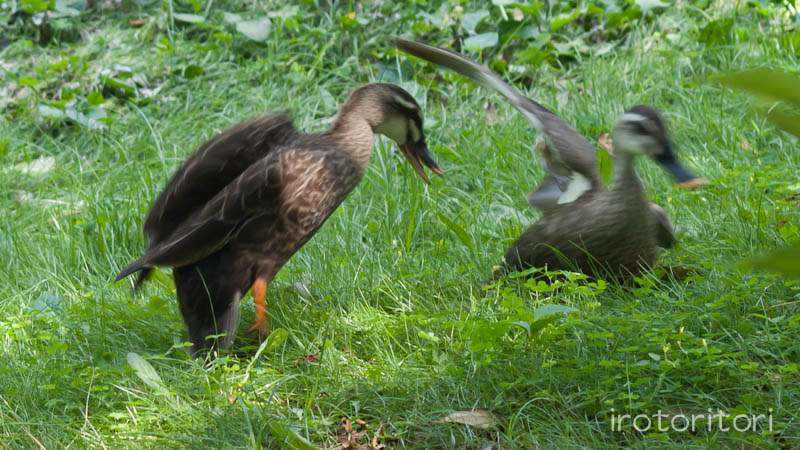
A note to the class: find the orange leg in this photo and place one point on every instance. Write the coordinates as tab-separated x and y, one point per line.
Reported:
260	299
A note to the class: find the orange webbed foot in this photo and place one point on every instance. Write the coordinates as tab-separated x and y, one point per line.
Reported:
260	326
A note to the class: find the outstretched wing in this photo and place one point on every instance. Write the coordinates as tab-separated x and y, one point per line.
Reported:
211	169
567	151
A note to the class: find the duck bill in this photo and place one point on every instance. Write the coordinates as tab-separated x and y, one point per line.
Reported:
685	178
417	154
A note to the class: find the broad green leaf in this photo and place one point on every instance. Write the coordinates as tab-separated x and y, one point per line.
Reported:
95	98
96	113
161	277
188	18
431	18
472	19
122	71
718	31
192	71
32	6
275	339
27	81
288	438
647	5
562	20
130	88
256	29
51	112
457	229
524	325
768	83
427	335
530	9
481	41
231	17
61	65
784	260
286	13
83	119
591	8
551	309
146	373
69	8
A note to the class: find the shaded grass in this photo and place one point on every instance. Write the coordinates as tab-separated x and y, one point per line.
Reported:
394	291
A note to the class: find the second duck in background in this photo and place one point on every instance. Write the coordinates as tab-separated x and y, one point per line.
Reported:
584	227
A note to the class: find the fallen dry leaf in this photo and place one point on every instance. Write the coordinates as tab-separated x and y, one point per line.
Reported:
307	359
491	118
606	143
137	23
375	444
517	14
745	145
478	418
352	439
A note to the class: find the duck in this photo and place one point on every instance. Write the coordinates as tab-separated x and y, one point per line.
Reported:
613	234
245	201
568	158
583	226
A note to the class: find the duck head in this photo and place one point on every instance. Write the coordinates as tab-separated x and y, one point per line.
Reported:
396	115
641	131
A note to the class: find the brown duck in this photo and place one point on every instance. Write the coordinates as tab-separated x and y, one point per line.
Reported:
608	233
584	227
568	157
250	197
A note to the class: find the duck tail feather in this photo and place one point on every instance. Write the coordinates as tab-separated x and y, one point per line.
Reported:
133	267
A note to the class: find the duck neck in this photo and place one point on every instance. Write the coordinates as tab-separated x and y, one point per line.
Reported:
625	176
353	132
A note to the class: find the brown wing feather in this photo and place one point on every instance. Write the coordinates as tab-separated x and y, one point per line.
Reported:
254	194
214	166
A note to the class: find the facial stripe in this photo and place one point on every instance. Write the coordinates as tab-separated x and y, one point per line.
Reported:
632	117
405	103
415	132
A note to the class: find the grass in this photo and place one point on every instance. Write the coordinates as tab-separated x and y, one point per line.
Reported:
395	327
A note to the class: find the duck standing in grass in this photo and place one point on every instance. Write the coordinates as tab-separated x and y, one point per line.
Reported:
583	227
250	197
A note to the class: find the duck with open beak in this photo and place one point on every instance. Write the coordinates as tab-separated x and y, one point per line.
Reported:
417	154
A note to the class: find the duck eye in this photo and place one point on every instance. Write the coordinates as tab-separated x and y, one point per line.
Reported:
639	128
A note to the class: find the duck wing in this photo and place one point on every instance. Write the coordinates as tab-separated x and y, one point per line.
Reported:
566	152
211	169
253	194
665	231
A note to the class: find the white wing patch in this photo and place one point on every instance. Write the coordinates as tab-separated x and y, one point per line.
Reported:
577	186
